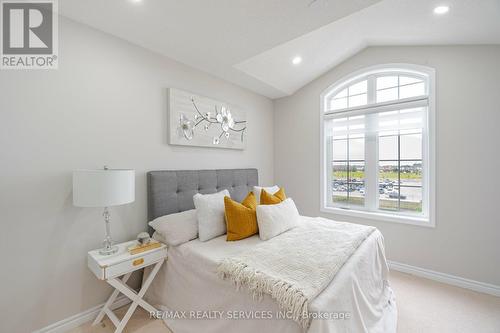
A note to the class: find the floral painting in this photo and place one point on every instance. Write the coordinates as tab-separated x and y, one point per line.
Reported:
196	120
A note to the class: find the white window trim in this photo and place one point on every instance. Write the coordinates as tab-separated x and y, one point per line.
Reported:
430	220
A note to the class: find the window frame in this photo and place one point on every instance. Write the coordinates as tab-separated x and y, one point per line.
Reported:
428	137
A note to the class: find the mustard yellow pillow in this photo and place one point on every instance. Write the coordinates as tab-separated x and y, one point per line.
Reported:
241	219
272	199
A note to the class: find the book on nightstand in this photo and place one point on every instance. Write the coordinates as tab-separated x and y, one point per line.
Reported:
139	248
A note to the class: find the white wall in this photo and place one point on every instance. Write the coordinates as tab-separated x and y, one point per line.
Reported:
106	104
465	241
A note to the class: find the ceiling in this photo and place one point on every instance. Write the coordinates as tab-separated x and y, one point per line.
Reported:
252	42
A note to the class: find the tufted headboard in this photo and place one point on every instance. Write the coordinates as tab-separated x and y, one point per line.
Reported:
171	191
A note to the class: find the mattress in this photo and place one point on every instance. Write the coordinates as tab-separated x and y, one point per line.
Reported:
195	299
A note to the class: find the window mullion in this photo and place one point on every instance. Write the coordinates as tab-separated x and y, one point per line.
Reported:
329	159
371	163
425	165
379	107
371	151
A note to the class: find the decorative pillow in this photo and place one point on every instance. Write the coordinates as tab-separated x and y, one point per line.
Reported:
276	219
210	214
271	199
269	189
241	219
178	228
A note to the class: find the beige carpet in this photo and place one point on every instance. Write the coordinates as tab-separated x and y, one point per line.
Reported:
424	306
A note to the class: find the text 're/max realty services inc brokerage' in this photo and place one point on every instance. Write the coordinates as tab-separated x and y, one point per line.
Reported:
245	315
29	36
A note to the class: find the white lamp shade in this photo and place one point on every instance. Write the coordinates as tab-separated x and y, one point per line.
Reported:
103	188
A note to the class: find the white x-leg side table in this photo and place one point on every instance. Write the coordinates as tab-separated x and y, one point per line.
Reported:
122	264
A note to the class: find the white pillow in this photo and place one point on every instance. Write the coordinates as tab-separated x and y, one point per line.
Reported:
178	228
258	189
276	219
210	214
158	237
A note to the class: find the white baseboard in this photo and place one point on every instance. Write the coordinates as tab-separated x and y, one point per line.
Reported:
457	281
81	318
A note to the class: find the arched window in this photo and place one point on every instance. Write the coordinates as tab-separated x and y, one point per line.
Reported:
377	133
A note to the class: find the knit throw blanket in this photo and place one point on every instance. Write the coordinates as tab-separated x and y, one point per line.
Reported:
294	267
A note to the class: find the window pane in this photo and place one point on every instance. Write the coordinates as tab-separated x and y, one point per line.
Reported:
388	147
340	173
340	103
356	199
412	90
387	82
357	100
357	149
357	174
388	185
358	88
340	150
339	197
411	146
339	186
388	175
411	173
387	95
356	184
411	199
342	93
388	203
388	197
408	80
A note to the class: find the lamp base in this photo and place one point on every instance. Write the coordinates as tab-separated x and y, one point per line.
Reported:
106	251
107	245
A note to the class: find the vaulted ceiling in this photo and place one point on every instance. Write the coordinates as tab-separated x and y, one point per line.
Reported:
252	42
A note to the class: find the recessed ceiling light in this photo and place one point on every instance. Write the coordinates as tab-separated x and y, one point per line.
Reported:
136	1
441	10
297	60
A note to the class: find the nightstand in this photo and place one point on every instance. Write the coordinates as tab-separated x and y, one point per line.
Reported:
122	264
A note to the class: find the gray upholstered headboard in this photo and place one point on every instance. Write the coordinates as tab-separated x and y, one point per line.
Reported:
171	191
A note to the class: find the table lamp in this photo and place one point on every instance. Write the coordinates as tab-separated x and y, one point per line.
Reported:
104	188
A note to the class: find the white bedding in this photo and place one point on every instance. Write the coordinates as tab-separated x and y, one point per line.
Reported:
188	282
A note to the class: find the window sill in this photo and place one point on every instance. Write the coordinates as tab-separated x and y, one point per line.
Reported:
420	221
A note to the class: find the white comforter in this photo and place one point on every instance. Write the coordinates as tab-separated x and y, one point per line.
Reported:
359	298
297	265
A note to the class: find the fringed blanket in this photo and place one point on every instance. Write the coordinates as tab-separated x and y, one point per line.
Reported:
294	267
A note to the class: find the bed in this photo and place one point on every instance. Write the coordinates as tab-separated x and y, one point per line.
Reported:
196	299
